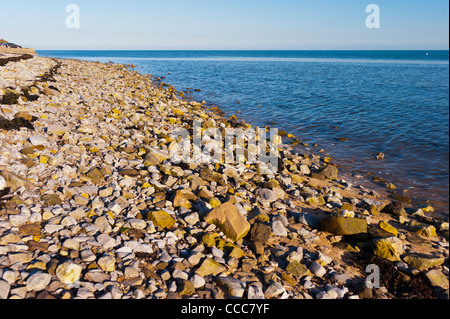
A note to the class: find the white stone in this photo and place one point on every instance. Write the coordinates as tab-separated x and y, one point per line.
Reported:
126	182
52	228
103	224
35	218
192	219
68	221
324	259
9	276
57	130
87	255
137	223
2	183
38	281
37	140
278	229
106	241
18	220
198	281
217	252
115	208
179	274
71	244
195	257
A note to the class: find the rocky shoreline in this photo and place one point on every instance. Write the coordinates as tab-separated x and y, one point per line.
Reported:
92	206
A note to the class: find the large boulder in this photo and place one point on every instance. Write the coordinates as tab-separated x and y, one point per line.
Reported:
345	226
229	220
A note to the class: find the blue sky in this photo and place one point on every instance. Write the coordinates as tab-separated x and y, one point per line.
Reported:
230	24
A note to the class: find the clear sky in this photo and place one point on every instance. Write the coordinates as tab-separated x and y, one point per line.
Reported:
227	24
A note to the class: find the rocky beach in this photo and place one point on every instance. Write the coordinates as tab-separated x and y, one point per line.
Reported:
93	205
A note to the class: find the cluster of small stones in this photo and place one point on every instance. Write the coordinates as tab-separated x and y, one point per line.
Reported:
96	208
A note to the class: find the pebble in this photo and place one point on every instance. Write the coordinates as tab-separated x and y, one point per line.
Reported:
317	269
274	290
38	281
2	183
278	229
68	272
4	289
36	140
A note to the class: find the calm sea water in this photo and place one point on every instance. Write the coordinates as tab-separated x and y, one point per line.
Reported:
394	102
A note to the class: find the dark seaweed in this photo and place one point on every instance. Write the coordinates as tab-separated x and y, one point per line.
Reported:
15	124
5	61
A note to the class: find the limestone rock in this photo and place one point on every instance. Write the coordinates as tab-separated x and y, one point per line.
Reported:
231	286
345	226
395	209
229	220
2	183
68	272
422	261
267	194
297	269
386	227
437	279
103	224
57	130
180	200
38	281
161	219
186	288
12	180
210	267
330	172
390	248
259	232
5	287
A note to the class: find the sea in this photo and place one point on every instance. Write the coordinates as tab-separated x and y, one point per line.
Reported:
350	105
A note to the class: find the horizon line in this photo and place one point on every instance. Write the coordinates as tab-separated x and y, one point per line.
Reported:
447	49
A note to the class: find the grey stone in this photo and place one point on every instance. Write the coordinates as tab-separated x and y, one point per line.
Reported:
231	286
274	290
255	291
103	224
317	269
278	229
267	194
